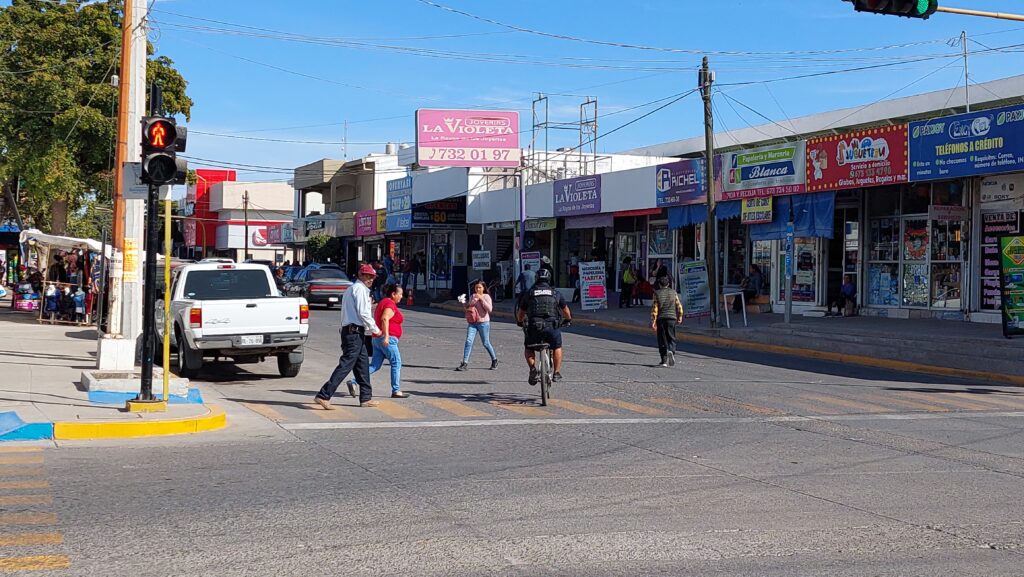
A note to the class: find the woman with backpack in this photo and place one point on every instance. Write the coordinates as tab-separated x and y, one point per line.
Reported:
478	321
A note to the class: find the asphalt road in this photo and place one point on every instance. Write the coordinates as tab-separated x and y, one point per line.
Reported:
731	463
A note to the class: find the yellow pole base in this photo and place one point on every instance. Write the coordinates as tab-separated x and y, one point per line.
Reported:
145	406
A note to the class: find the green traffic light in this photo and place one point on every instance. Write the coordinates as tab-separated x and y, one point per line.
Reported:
922	7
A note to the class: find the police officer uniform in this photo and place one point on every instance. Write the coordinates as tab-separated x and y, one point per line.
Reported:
543	305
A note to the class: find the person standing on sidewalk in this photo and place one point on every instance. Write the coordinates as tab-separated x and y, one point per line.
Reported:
389	319
666	313
478	321
628	280
357	326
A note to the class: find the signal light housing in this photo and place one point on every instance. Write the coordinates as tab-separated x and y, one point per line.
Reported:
162	139
905	8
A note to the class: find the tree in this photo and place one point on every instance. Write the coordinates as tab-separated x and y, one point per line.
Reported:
58	107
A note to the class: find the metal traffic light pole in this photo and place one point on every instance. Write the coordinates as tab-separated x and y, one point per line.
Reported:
149	297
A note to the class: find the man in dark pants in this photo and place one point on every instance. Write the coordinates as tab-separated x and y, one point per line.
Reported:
666	313
357	326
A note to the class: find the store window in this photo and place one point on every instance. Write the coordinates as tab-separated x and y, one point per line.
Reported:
659	248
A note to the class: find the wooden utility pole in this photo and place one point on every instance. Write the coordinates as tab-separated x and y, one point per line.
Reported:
116	284
245	209
705	79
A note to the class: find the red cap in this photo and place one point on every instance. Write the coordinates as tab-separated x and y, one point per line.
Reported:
367	270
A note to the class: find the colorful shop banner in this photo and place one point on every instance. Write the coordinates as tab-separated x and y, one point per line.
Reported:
680	183
399	204
1011	272
382	220
976	143
480	138
765	171
994	225
449	213
693	284
875	157
576	196
593	291
366	223
1003	192
756	210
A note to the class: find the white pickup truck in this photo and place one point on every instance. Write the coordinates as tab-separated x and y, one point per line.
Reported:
227	310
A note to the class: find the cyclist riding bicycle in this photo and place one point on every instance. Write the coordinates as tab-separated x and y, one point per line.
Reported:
542	310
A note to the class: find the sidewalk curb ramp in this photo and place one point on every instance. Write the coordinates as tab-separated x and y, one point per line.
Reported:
12	428
878	354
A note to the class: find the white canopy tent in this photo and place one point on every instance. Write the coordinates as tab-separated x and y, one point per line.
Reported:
50	241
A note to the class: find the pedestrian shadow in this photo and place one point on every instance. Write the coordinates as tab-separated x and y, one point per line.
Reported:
86	335
485	398
227	372
304	406
967	392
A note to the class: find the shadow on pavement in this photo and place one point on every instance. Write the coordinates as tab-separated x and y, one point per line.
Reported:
86	335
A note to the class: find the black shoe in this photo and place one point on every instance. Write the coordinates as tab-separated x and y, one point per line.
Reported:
494	364
462	367
533	378
557	377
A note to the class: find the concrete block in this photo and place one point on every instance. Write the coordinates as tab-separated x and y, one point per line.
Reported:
130	382
115	354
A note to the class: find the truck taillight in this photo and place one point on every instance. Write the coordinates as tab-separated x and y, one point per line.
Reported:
304	314
195	318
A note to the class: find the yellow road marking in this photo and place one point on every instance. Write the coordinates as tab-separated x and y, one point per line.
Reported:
755	409
580	408
397	410
36	563
907	403
1000	401
810	408
24	484
26	499
954	400
456	408
22	472
338	413
522	409
28	518
265	410
632	407
683	405
21	459
20	539
20	450
848	404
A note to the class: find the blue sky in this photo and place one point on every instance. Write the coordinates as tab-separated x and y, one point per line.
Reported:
303	68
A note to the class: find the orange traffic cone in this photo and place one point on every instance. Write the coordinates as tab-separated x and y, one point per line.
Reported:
408	300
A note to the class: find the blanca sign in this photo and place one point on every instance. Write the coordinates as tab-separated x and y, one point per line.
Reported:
470	138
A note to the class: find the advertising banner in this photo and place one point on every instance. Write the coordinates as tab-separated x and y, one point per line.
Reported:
450	213
765	171
994	225
576	196
875	157
481	260
366	223
693	284
1011	273
756	210
399	205
976	143
274	233
382	220
473	138
680	183
593	291
531	258
1004	192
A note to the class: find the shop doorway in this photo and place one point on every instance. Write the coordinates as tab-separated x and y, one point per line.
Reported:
843	256
627	244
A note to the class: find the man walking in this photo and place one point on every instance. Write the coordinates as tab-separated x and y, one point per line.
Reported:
666	313
357	327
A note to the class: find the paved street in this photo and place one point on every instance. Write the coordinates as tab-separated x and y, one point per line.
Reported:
732	463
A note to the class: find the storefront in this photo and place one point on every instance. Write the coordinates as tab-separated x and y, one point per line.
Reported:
441	227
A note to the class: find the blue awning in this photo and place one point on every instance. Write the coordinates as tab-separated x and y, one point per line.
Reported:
813	215
684	216
728	209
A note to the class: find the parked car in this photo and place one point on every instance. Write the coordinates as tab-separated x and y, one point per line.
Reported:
290	272
235	311
319	284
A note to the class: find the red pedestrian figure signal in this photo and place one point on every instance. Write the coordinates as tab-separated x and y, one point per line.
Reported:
162	139
160	134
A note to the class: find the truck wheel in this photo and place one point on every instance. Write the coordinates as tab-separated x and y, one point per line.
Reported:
189	361
287	368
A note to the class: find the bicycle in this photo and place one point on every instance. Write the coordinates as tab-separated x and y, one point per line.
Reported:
545	369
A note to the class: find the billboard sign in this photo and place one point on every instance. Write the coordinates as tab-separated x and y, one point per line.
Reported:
469	138
680	183
399	205
874	157
972	144
761	172
576	196
366	223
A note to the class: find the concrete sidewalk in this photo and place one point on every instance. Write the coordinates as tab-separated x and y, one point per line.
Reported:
41	397
950	348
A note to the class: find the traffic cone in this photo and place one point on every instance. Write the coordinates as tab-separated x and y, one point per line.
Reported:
408	299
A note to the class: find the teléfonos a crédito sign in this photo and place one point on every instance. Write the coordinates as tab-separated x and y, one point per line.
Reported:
972	144
593	286
696	293
472	138
1011	275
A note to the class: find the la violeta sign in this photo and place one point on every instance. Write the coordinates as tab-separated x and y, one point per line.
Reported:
469	138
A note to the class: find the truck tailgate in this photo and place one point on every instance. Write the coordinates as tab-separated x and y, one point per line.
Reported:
240	317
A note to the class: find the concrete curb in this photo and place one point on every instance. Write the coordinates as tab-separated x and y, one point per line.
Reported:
723	342
15	429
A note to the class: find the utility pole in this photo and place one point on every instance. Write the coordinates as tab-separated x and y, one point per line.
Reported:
245	210
120	156
705	78
967	76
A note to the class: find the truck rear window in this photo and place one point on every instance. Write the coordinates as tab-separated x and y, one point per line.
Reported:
227	284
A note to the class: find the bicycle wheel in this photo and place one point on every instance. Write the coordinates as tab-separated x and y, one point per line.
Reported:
544	357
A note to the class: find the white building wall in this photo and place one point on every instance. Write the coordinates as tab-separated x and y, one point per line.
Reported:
272	196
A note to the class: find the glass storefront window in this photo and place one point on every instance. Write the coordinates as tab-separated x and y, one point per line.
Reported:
947	194
805	271
946	240
915	285
883	285
915	239
916	198
885	234
946	285
762	257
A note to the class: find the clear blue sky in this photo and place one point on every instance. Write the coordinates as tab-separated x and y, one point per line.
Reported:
303	68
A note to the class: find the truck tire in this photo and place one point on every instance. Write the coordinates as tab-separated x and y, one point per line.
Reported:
189	361
286	367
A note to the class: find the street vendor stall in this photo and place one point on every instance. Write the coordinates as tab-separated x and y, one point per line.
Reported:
64	274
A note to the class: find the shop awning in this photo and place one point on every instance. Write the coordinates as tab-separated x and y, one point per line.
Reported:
682	216
589	221
33	236
812	217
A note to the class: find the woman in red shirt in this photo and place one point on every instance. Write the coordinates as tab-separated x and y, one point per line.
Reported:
389	319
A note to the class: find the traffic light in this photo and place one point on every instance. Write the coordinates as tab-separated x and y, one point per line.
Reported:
908	8
162	139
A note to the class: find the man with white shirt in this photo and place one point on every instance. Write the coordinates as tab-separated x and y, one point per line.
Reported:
357	328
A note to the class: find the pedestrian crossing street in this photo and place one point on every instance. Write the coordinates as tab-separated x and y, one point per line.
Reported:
434	406
29	542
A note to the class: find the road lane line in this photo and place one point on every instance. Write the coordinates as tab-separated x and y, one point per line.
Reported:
264	410
23	539
693	408
21	459
632	407
848	403
24	484
580	408
8	500
22	472
522	408
21	450
35	563
456	408
397	411
28	518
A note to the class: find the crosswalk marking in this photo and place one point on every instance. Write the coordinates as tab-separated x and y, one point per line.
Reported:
8	500
35	563
337	413
397	411
15	459
682	405
755	409
953	400
265	410
632	407
22	471
23	539
28	518
456	408
579	408
999	401
20	450
24	484
521	408
848	404
907	403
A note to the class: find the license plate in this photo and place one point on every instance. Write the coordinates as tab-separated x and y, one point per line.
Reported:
332	299
250	340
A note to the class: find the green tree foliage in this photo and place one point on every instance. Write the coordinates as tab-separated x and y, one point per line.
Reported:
58	107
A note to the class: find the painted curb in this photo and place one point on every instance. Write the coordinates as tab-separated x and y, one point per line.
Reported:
876	362
212	420
12	428
195	397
